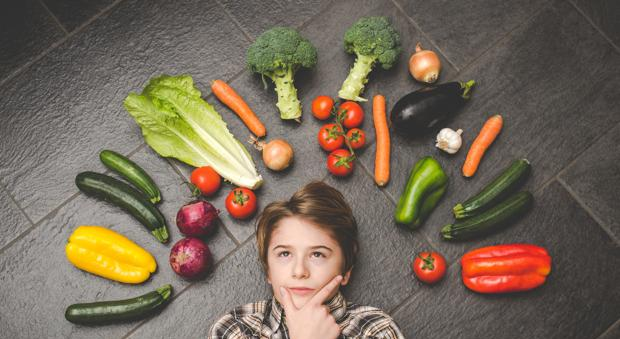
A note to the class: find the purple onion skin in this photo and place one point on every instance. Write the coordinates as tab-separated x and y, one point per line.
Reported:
190	258
197	218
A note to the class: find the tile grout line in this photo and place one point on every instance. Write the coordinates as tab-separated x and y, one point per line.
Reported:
53	46
186	288
3	188
235	22
611	328
419	29
530	17
54	17
599	30
589	211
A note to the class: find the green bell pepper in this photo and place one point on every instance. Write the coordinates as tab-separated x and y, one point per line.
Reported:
427	184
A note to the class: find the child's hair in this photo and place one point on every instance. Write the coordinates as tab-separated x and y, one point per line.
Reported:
320	204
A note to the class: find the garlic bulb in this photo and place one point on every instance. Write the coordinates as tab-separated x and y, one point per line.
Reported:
449	140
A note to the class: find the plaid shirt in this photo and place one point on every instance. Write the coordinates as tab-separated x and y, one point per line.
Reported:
265	319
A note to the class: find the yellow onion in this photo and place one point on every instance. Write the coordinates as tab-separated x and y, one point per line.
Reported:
277	154
424	65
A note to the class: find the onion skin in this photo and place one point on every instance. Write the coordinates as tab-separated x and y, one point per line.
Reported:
190	258
197	218
424	65
277	154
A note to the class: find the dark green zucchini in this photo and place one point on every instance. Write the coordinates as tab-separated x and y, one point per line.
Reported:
105	312
491	220
132	173
495	191
126	197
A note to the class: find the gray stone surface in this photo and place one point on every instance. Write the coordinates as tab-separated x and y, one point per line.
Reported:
13	219
38	278
74	13
569	305
26	30
595	179
604	14
69	103
542	65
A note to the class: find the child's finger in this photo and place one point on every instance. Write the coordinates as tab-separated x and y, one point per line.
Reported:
287	300
324	293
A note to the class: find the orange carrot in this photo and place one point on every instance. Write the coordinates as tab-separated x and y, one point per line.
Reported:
230	98
382	155
485	138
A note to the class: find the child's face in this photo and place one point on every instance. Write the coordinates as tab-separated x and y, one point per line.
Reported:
303	258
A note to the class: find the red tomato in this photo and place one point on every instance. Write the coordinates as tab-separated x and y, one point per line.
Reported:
330	137
357	138
340	163
322	107
429	267
206	180
241	203
351	113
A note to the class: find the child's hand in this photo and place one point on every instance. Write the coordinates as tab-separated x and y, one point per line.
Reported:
313	320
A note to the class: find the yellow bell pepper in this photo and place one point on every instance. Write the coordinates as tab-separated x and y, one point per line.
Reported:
103	252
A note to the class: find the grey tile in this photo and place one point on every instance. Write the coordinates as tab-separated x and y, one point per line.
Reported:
68	105
26	29
382	276
465	29
604	14
74	13
37	275
14	222
575	302
595	178
542	82
238	280
257	16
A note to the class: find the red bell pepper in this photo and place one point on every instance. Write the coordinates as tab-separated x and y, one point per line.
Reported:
505	268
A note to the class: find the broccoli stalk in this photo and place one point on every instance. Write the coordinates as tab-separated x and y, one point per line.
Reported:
278	53
372	40
288	103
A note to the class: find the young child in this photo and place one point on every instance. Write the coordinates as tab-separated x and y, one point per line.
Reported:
307	246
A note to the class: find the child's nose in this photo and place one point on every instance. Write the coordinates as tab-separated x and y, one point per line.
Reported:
300	270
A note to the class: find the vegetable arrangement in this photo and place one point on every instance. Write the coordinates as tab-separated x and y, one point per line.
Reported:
176	122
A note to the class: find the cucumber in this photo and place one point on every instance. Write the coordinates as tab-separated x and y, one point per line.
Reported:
105	312
495	191
132	173
491	220
126	197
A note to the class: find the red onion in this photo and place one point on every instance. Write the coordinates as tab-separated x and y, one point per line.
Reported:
190	258
197	218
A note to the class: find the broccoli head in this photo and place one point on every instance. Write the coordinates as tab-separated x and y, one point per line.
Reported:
278	53
372	40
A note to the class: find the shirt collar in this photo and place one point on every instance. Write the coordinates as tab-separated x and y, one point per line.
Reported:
337	307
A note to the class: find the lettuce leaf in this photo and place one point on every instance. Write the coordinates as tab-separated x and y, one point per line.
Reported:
176	122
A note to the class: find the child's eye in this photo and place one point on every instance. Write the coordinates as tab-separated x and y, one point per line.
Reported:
284	254
318	255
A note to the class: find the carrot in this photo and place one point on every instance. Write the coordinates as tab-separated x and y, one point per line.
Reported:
382	155
485	138
230	98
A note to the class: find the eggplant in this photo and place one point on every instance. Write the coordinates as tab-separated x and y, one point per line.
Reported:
419	112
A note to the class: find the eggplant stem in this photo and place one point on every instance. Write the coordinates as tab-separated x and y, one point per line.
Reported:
467	88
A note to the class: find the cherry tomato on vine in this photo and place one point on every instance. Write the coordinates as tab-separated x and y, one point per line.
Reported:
340	163
357	138
330	137
351	113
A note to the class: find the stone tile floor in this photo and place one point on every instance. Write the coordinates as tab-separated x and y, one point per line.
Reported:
551	68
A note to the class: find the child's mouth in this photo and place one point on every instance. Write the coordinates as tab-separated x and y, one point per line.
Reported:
301	290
